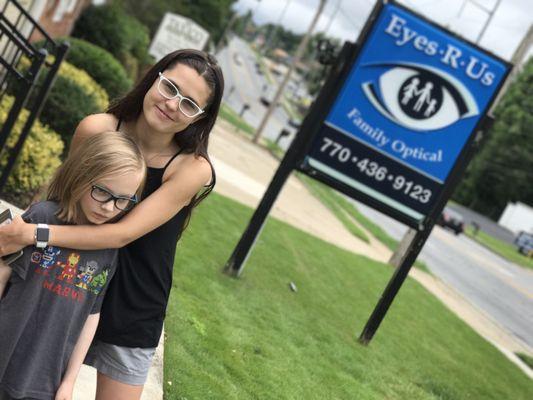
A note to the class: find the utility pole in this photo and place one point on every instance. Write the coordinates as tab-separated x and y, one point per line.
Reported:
275	28
296	59
332	18
487	10
491	14
226	32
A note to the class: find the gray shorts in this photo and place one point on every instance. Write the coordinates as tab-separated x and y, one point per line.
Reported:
128	365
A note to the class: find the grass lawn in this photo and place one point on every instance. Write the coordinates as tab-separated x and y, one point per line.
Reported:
253	338
233	118
504	249
336	204
340	207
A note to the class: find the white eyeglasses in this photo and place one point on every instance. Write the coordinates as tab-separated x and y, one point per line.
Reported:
167	89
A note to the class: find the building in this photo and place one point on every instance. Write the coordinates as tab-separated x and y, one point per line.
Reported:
517	217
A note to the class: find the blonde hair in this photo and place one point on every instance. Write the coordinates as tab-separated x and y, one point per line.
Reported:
98	157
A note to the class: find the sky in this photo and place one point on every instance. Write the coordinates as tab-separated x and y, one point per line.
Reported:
503	34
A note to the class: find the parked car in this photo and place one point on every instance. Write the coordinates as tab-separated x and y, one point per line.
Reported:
265	101
451	219
524	243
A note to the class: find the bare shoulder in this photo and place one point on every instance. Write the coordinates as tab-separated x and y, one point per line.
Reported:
96	123
190	167
91	125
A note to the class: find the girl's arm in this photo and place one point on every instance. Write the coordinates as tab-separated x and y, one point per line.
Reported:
184	178
183	182
76	359
5	273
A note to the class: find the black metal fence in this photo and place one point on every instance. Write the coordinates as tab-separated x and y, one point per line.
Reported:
28	86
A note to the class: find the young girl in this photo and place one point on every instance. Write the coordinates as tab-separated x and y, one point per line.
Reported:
170	114
49	314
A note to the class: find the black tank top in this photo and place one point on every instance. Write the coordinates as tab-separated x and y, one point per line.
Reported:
135	303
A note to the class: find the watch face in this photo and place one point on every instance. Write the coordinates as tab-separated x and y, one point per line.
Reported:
43	234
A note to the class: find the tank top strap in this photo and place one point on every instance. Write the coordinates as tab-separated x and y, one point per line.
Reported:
172	158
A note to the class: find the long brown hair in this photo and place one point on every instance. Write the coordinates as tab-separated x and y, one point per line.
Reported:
102	155
193	139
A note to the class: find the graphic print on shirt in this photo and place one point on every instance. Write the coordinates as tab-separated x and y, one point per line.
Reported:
85	275
99	281
70	268
46	259
69	276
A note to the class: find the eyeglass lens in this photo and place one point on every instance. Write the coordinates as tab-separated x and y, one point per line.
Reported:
187	106
103	196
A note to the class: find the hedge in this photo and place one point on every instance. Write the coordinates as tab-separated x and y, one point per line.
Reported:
73	96
37	161
119	33
100	65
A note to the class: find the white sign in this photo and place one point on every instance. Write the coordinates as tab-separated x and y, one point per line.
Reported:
176	32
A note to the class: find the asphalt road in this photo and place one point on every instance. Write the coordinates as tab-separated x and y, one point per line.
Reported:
243	85
501	289
485	224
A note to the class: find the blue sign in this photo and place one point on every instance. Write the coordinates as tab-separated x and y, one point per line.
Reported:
407	108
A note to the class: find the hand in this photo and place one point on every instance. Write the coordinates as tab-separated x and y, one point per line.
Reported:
65	391
15	236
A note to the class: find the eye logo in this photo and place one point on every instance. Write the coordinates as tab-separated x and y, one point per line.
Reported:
420	97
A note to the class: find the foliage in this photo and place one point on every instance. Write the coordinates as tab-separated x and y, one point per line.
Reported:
236	120
37	161
506	250
212	15
502	172
100	65
278	37
122	35
73	96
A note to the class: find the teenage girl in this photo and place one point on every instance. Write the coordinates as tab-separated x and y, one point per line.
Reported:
49	313
169	114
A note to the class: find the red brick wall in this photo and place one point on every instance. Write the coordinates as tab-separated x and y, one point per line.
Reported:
63	27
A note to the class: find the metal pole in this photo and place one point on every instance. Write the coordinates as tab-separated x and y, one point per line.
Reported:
491	14
36	109
293	156
296	59
275	28
230	24
332	17
416	243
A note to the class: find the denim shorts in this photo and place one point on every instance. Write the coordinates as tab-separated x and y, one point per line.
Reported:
128	365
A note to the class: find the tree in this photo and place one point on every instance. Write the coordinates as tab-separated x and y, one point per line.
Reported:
212	15
503	169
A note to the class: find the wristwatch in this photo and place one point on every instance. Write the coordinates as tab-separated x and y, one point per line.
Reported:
42	235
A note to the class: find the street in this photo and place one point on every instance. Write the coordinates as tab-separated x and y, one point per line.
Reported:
499	288
245	86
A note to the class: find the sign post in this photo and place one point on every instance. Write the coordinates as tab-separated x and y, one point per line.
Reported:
395	130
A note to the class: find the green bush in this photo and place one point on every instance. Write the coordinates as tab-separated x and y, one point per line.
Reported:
112	32
37	161
73	96
122	35
100	65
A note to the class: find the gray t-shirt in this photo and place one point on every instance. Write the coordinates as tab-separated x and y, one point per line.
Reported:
52	292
